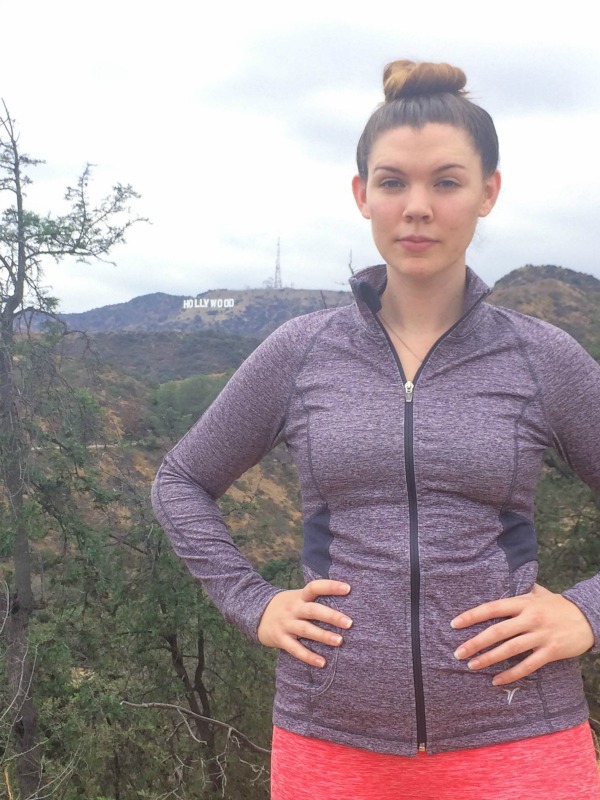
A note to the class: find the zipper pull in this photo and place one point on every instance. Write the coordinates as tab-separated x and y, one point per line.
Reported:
409	388
422	748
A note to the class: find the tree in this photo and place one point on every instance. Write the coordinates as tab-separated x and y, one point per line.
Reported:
28	240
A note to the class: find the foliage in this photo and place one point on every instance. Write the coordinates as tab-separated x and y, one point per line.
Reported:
122	608
118	618
156	357
41	420
176	405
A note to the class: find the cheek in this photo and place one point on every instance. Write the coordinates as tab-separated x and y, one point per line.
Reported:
463	221
383	215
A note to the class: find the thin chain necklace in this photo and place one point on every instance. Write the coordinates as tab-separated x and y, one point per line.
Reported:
400	339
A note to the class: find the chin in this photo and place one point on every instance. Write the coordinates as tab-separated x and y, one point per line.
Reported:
420	270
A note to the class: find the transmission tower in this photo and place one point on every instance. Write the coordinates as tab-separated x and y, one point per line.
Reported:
277	281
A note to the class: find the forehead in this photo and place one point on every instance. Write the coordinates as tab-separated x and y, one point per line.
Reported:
431	146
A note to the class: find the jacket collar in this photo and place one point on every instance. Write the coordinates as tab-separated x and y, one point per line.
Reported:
368	284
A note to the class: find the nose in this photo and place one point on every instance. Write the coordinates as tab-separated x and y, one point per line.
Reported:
418	205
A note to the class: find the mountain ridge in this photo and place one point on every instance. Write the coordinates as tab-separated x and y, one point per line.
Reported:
564	297
246	312
145	336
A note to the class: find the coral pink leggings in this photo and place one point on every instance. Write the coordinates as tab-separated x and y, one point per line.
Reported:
557	766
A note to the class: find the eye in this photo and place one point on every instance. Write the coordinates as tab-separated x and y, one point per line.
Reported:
392	183
447	183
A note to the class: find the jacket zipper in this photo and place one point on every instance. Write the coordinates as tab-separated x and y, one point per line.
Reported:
415	569
411	487
415	574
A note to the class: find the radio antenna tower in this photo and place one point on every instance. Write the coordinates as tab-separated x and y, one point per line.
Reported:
277	281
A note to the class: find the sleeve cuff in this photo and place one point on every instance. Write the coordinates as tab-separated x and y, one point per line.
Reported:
586	596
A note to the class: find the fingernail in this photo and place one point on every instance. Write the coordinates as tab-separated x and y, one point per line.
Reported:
320	662
346	588
473	663
496	681
337	639
346	622
456	622
460	652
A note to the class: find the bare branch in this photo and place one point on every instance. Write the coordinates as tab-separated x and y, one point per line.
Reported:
231	731
7	782
4	604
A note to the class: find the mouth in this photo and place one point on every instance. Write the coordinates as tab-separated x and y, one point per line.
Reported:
417	244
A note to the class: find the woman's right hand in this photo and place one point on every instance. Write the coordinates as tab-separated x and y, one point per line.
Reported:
291	615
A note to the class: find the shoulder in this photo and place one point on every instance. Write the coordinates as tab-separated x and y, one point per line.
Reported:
534	333
316	321
553	353
294	338
277	361
527	327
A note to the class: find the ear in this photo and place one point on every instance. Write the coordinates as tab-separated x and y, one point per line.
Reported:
491	190
359	189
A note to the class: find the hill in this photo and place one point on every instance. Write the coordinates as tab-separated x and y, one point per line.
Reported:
251	312
564	297
159	356
156	339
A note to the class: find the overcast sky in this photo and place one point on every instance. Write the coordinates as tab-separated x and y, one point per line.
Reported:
237	122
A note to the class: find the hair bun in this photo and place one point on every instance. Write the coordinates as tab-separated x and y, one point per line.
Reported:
410	78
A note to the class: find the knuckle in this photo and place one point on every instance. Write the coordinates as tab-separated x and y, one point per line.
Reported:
304	629
468	649
299	652
314	610
524	668
478	643
536	615
512	648
554	651
520	672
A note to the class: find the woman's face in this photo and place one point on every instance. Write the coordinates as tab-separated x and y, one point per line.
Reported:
424	193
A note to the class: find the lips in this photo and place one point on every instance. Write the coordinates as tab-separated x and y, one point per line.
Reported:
417	244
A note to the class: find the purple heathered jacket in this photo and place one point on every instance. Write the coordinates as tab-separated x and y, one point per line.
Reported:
420	497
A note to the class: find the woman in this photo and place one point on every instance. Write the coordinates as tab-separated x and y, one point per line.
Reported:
418	419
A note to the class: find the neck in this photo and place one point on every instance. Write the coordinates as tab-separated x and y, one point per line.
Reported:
423	307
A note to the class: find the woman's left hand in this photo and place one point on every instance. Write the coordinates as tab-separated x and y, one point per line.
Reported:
545	623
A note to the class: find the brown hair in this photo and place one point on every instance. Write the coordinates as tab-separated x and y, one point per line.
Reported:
418	93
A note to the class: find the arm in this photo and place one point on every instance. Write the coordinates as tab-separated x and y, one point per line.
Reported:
552	626
242	425
575	420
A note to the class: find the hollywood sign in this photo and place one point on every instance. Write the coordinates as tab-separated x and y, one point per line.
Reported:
208	302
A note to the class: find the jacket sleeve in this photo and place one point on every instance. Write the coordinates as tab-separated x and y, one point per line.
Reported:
241	426
571	395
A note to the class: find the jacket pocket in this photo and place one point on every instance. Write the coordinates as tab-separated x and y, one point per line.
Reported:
561	686
296	674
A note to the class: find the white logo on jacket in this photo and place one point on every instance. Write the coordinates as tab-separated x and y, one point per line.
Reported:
510	693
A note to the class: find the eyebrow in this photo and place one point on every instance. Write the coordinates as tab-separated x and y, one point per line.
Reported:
398	171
